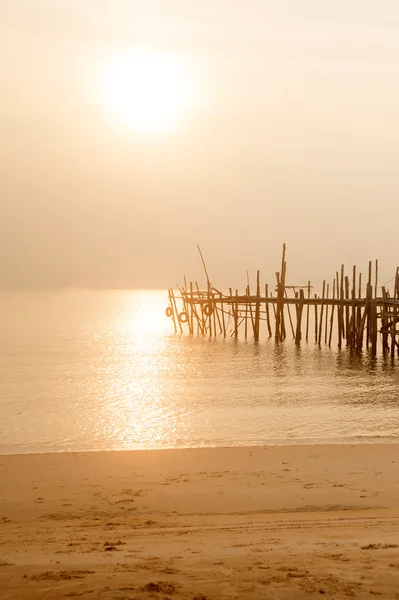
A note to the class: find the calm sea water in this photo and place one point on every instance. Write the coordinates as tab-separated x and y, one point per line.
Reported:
104	370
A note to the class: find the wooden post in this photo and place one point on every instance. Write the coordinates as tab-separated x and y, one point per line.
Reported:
267	311
277	334
203	319
299	310
236	313
342	305
199	321
257	308
332	317
339	319
223	321
234	309
359	309
192	306
210	311
307	314
321	313
394	314
246	315
326	324
373	328
368	294
347	327
353	330
315	321
283	275
185	305
384	322
216	314
173	312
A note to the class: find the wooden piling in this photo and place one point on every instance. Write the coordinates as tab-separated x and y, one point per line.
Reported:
332	317
307	315
342	305
394	314
321	314
222	311
384	321
299	310
173	310
353	317
326	323
267	311
246	316
257	308
347	326
368	296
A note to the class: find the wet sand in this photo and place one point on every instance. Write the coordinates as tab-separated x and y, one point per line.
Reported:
267	522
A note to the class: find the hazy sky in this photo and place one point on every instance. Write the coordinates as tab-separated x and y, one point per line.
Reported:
292	135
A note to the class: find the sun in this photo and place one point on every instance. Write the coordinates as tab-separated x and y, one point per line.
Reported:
148	92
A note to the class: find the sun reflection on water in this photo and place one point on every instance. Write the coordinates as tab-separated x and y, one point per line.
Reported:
138	409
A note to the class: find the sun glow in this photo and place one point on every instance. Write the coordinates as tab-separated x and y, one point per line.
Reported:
146	92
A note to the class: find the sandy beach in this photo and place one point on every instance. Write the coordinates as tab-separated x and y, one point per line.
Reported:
264	522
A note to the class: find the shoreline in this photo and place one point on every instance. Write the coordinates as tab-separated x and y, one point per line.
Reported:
307	444
284	522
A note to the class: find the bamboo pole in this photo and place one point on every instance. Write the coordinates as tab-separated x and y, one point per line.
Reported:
326	323
267	311
347	324
332	317
246	317
342	306
299	308
185	306
368	294
192	307
278	311
339	316
203	316
236	313
353	330
257	308
394	314
374	327
289	316
199	321
321	315
223	321
360	332
307	315
280	299
216	313
359	309
173	312
209	311
384	322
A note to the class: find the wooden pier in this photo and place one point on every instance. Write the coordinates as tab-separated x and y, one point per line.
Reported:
351	314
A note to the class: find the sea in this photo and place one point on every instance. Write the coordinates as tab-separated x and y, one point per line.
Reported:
104	370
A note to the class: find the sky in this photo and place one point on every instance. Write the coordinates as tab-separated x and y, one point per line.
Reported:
290	133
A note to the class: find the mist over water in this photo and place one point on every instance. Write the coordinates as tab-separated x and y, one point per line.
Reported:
102	370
